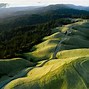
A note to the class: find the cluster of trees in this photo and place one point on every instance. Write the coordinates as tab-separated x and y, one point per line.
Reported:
21	39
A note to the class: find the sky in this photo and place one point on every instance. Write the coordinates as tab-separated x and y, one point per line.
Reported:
15	3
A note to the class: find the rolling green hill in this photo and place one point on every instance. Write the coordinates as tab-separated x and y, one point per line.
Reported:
69	73
63	62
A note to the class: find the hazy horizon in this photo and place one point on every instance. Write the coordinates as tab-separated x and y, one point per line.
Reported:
19	3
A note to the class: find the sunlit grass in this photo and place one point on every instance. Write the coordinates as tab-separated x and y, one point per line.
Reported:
56	74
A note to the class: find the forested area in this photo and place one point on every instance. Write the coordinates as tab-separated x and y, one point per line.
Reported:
21	39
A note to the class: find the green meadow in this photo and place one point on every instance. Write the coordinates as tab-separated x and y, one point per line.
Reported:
63	73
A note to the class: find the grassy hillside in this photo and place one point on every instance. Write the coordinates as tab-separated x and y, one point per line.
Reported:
13	65
10	67
64	73
43	50
67	70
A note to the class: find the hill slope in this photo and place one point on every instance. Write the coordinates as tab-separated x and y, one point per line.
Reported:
56	74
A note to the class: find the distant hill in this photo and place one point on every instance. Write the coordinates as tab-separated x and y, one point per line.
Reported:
15	11
86	8
23	16
10	11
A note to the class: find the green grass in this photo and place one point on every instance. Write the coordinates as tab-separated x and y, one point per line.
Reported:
77	41
43	50
57	35
62	73
84	28
12	66
6	79
73	53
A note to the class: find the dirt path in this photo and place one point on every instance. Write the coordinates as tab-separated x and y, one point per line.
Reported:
57	49
69	30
